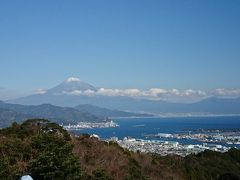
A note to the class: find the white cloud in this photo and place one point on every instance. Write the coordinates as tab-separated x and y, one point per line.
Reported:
202	93
191	92
175	92
227	92
164	93
153	93
40	91
74	92
156	92
119	92
175	95
89	92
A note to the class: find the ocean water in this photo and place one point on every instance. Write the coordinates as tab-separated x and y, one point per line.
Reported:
138	127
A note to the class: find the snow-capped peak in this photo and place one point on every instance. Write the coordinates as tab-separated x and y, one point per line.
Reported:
72	79
71	85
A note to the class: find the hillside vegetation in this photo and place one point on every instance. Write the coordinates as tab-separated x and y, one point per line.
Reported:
45	150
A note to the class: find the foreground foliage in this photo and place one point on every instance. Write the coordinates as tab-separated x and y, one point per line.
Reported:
45	150
39	148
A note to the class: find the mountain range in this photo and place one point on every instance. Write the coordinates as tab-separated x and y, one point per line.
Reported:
73	92
61	115
8	116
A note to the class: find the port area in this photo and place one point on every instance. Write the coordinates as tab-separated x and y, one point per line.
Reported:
165	147
184	143
91	125
229	137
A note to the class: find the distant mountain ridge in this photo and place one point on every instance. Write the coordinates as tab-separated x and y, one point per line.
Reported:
70	93
104	112
82	113
9	116
57	114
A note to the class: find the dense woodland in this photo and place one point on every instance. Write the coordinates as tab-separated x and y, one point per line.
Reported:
45	150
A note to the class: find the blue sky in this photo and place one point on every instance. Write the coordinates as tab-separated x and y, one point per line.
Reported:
119	44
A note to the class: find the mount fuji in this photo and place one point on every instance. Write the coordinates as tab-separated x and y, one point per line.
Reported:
70	92
71	85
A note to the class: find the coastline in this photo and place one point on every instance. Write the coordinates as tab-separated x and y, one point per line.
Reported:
176	115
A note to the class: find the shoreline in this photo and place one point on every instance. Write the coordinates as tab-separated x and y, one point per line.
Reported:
176	116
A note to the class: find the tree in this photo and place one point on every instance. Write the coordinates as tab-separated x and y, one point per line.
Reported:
53	159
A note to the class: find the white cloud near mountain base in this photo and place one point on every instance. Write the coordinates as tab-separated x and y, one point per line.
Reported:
156	93
227	92
73	86
40	91
174	95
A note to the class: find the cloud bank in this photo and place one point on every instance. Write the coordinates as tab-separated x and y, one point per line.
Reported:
40	91
175	95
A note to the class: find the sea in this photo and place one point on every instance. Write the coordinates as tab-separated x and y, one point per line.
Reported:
141	128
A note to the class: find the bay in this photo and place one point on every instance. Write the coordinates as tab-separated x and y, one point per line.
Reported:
139	127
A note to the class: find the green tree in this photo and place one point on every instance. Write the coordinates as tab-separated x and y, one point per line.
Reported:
54	159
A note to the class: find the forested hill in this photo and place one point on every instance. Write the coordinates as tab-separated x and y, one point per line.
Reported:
45	150
61	115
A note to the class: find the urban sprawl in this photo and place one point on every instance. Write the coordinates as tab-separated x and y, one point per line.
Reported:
166	143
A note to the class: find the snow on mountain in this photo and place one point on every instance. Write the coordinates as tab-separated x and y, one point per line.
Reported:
72	79
71	86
